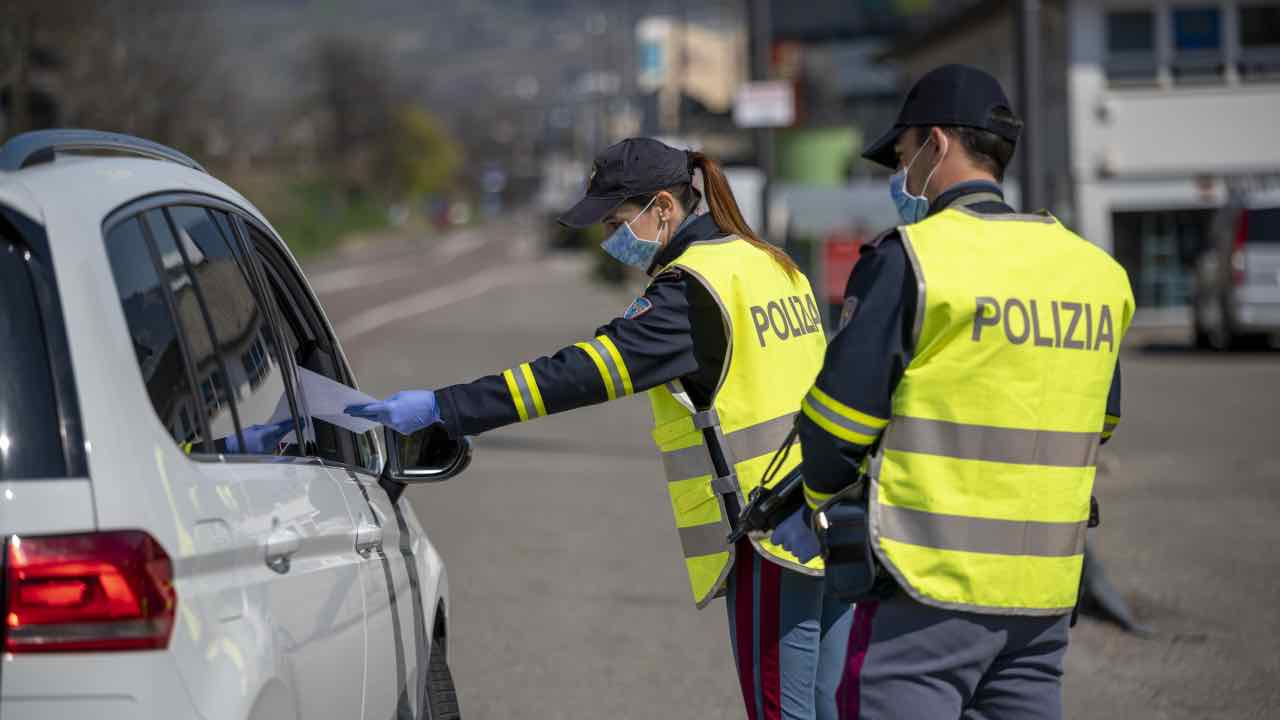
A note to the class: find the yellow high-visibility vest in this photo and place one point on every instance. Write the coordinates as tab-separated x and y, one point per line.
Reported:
775	349
981	484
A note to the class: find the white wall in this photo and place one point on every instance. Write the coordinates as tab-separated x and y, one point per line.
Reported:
1164	146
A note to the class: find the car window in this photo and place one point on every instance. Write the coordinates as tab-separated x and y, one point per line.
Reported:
240	327
153	330
193	319
1263	226
313	352
30	441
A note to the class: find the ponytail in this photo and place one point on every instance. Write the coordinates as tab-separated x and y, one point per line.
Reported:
724	210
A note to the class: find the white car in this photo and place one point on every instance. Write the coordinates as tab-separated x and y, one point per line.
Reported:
183	537
1237	277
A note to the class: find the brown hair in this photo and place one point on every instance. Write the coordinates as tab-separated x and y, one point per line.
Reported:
724	209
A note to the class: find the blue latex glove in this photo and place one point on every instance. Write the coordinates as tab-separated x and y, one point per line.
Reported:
795	535
406	412
260	439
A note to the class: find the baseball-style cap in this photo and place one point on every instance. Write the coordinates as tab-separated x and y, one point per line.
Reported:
635	166
950	95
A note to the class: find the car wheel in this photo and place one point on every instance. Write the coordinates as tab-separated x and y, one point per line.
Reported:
1197	322
1222	337
442	697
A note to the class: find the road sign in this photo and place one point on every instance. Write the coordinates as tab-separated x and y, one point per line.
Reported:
764	105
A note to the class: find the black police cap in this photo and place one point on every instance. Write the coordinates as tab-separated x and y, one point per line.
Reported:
631	168
951	95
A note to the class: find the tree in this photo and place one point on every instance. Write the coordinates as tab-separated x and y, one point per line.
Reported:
423	155
373	139
352	93
144	67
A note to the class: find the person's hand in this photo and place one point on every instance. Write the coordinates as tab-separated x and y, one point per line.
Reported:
795	535
260	439
406	412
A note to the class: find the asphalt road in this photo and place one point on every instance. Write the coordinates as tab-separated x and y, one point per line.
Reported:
568	595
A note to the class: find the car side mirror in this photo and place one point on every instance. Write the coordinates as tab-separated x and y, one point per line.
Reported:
428	455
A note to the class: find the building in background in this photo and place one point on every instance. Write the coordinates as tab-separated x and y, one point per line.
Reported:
1172	105
982	35
827	198
1154	111
688	71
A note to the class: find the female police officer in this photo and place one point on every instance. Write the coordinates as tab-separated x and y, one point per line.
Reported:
726	340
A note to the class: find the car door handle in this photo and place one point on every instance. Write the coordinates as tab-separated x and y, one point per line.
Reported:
368	537
282	543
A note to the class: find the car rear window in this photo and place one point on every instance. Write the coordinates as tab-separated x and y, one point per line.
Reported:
1264	227
30	425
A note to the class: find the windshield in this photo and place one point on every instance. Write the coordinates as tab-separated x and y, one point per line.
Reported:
30	426
1264	227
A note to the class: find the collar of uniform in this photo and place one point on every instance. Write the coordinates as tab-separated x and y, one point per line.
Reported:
694	229
959	190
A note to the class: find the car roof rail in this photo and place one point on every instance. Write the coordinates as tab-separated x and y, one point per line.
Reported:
40	146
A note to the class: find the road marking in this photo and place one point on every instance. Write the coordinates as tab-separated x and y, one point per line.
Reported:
433	299
361	276
457	246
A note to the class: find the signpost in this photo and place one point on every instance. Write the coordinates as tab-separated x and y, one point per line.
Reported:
768	104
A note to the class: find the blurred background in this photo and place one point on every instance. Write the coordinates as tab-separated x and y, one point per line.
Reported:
414	153
342	117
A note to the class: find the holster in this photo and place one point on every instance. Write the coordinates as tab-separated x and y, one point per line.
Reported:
842	525
769	506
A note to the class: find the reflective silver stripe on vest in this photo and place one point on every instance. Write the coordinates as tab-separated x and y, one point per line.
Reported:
981	535
614	376
744	444
523	385
993	444
706	539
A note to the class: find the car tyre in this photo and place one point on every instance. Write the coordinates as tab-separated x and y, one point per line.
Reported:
1222	337
1202	341
442	696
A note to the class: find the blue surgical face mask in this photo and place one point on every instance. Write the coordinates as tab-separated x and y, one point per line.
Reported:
628	248
911	208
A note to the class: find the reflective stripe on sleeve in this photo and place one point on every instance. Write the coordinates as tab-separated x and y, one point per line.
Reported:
1109	425
992	444
619	366
841	420
590	349
524	392
981	535
613	371
527	371
816	499
517	398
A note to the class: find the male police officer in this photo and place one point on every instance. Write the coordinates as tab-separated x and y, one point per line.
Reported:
973	379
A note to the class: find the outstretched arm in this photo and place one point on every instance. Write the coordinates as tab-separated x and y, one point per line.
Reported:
649	345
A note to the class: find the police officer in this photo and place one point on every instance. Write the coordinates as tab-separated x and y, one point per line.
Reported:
973	379
726	340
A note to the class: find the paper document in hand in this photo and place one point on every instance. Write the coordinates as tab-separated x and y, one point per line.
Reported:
325	400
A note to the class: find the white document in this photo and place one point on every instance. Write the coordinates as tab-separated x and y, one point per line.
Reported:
325	400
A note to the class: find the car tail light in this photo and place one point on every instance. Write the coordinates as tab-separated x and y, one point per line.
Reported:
1237	248
89	592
